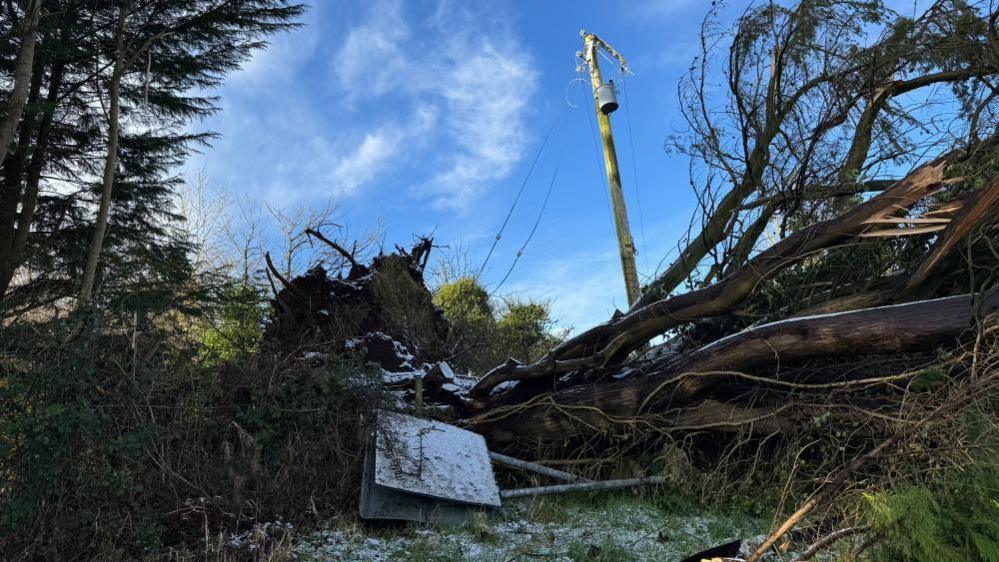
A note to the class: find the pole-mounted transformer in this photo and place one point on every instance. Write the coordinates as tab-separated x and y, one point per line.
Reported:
607	98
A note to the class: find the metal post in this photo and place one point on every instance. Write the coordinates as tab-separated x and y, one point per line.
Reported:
591	46
583	487
535	468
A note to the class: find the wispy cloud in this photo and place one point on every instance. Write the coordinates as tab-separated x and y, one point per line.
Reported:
479	93
362	165
272	67
436	97
486	94
373	58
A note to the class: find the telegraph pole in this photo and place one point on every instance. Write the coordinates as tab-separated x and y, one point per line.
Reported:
605	101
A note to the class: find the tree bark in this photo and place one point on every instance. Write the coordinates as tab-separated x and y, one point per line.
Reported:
11	259
110	164
13	167
22	77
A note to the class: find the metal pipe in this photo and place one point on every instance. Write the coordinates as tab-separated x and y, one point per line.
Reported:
535	468
582	487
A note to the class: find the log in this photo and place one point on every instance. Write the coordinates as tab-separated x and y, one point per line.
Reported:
599	408
872	330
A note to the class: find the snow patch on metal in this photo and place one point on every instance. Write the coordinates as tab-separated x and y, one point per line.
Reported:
434	459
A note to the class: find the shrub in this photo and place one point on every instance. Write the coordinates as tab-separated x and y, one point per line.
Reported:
954	518
116	443
525	330
238	326
473	331
483	337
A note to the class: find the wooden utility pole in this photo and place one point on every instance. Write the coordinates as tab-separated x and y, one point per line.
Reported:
603	97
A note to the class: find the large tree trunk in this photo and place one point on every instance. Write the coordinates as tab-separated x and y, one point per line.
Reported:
110	164
591	409
11	258
13	167
22	77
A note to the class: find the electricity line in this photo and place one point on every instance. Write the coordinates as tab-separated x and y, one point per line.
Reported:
520	192
537	221
634	172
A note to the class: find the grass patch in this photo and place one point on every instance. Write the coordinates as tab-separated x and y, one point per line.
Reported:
621	526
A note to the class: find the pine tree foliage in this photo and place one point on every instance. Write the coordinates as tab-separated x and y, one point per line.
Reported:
237	327
175	52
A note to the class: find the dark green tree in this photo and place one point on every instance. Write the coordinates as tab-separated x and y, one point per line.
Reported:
161	58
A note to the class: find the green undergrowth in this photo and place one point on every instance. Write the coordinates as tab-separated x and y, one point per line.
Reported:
951	518
115	445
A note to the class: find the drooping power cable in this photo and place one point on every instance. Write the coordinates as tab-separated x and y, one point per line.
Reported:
634	171
520	192
537	221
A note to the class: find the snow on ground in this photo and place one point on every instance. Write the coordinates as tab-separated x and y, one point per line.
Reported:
619	527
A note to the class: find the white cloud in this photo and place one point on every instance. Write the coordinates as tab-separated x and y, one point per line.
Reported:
486	97
439	97
372	60
364	164
476	95
273	66
377	152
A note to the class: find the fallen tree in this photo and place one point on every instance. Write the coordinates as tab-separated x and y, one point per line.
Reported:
615	339
687	382
816	310
852	316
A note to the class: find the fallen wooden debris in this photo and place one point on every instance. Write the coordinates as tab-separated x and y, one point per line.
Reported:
588	409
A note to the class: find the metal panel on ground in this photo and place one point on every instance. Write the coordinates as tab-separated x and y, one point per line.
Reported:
423	470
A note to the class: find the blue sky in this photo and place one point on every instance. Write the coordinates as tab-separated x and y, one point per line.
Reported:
424	117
